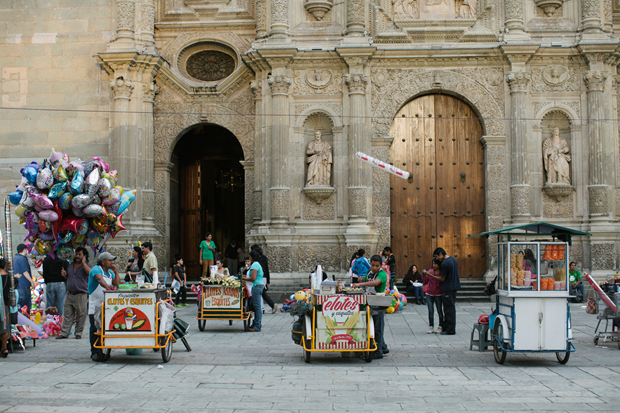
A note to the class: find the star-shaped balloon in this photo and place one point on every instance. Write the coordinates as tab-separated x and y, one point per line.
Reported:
118	226
71	223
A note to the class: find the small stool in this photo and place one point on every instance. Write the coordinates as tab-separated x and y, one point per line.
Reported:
482	341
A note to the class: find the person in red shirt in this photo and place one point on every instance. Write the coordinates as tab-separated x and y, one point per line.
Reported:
432	281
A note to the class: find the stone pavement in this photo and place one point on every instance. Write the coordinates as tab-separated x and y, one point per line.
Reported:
233	371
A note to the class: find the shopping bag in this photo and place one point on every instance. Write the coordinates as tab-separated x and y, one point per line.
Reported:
176	286
591	306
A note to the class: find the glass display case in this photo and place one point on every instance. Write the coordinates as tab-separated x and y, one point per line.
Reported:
533	266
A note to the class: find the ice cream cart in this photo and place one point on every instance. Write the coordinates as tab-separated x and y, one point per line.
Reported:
532	313
341	323
223	302
131	319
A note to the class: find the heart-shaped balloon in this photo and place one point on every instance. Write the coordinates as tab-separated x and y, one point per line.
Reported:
16	197
27	200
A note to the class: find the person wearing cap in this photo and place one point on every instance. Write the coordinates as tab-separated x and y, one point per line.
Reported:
21	269
100	278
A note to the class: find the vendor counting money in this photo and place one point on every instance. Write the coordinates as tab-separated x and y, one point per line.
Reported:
375	281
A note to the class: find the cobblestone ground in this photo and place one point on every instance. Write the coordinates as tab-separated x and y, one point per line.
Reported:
232	371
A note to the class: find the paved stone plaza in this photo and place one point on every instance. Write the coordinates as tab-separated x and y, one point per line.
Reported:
232	371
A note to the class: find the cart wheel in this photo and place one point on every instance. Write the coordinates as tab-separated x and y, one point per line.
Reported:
229	322
166	352
563	357
201	325
368	356
106	354
308	344
498	344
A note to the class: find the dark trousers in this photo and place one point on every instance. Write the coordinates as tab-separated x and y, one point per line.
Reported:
266	297
431	302
25	298
182	292
449	311
93	337
379	321
417	291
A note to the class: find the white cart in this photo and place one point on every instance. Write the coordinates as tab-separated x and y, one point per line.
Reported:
532	312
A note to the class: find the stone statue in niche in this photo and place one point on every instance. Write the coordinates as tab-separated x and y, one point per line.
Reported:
319	161
556	159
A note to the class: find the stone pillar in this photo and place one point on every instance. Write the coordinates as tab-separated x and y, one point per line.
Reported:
513	14
357	191
280	192
591	16
279	19
261	18
356	18
125	26
598	188
147	26
519	189
260	167
161	173
122	89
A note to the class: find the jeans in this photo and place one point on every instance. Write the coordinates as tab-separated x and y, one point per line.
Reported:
93	337
182	292
379	322
580	291
392	280
417	291
431	302
449	311
25	298
55	295
257	305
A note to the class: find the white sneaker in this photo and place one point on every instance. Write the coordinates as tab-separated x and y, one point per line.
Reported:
430	331
439	330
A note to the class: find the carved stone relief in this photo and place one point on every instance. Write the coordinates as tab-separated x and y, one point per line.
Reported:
555	78
381	185
555	209
575	106
249	205
161	201
279	203
604	255
148	204
433	9
147	22
598	199
383	228
575	253
279	11
357	201
405	9
280	258
326	255
125	15
355	11
335	108
317	81
324	211
231	39
394	87
520	199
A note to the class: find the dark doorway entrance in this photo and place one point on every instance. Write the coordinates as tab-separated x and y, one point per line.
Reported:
207	190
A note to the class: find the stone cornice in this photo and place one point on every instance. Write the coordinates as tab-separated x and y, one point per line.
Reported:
493	141
519	54
278	58
385	141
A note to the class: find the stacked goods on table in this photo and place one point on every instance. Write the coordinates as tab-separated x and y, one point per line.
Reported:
518	276
553	253
225	281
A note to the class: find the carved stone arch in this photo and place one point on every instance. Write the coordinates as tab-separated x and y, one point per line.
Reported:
481	89
318	119
572	116
305	111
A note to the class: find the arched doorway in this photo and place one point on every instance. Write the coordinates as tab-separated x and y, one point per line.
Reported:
207	192
436	137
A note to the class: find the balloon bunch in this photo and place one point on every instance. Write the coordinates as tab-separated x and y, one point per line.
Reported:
67	204
398	303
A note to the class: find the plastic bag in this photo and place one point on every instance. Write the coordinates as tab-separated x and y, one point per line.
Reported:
166	318
176	286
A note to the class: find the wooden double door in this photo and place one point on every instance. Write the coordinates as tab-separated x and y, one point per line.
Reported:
437	138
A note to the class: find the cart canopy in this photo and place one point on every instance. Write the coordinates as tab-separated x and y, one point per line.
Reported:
535	228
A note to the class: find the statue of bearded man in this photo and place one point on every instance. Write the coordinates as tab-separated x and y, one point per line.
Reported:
319	161
556	159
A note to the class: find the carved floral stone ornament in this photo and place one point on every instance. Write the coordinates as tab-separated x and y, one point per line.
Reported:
555	75
318	8
549	6
319	78
121	88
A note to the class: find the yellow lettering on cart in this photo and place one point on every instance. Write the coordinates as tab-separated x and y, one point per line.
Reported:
141	301
116	301
220	302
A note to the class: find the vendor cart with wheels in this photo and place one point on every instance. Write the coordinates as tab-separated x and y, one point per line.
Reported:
131	319
607	309
340	323
222	302
532	312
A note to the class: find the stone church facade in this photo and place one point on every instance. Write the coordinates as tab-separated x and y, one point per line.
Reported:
143	74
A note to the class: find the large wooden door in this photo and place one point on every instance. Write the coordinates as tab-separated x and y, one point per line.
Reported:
436	137
190	217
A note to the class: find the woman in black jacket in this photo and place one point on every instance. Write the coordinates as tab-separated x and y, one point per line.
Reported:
413	276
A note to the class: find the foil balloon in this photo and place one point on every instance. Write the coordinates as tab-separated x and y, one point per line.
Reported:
79	239
65	252
66	239
80	201
72	223
114	176
104	187
57	190
88	168
60	174
58	223
126	199
78	212
27	201
113	197
93	210
92	234
42	247
30	172
77	183
48	215
82	228
92	183
104	166
56	157
74	167
45	226
99	223
46	236
65	201
16	197
118	226
96	200
114	208
41	200
45	179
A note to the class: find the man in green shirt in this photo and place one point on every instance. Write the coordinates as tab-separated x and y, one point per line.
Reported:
207	248
574	279
376	281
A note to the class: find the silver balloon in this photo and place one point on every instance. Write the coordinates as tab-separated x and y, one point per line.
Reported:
93	210
92	183
80	201
104	187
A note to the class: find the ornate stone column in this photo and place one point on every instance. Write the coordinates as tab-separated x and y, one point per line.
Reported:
147	26
262	165
261	18
357	190
519	188
145	160
513	14
279	19
591	16
356	18
125	26
598	188
280	192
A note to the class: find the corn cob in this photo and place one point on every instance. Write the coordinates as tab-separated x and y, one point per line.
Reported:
351	322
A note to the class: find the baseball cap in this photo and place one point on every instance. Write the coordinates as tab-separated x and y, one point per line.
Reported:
106	256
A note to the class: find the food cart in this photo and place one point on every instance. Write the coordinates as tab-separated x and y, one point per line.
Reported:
341	323
532	313
221	300
130	319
